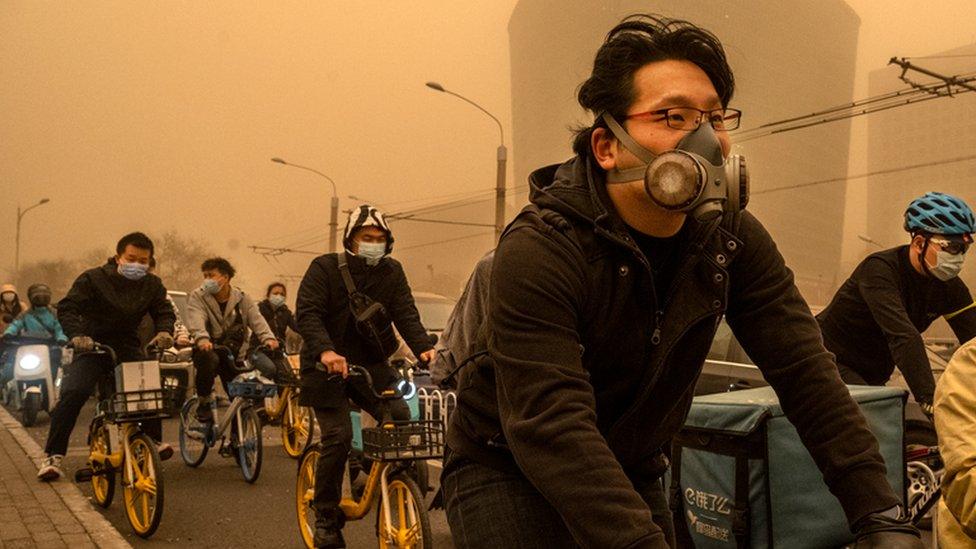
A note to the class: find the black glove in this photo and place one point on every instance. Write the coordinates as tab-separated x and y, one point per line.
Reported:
82	344
884	531
163	340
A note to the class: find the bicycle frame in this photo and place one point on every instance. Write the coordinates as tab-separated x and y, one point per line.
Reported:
113	462
222	424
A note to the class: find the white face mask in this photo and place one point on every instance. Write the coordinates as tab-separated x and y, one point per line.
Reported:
9	297
372	252
947	266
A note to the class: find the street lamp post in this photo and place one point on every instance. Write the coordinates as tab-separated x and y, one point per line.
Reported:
334	213
501	158
20	215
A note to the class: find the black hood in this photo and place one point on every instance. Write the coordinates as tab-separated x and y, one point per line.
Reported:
577	190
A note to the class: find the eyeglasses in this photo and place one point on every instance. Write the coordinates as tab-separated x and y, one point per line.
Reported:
954	247
689	118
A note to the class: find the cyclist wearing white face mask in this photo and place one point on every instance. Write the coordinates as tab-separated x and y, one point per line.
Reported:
876	319
330	310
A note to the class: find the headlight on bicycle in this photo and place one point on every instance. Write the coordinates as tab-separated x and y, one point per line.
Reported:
406	388
30	362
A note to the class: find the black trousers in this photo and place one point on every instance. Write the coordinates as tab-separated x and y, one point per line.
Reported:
78	383
210	364
336	430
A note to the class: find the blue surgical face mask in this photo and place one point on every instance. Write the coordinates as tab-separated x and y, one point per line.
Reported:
947	266
133	271
372	252
211	286
276	299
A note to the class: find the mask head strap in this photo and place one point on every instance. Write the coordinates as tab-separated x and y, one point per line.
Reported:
630	174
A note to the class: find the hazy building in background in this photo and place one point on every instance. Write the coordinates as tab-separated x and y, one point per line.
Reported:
940	133
789	58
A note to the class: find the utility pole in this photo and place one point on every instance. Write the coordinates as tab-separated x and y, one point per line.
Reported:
20	215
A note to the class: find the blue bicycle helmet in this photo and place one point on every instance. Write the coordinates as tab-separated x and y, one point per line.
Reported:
939	213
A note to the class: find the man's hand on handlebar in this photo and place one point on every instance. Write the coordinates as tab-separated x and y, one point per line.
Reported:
82	344
334	363
270	343
427	356
205	344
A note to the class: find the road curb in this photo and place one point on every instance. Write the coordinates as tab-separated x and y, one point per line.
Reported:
99	529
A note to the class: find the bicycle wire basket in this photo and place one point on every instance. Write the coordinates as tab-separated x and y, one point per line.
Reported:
253	390
131	406
404	441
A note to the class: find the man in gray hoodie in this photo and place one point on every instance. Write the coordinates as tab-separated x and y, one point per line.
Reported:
219	314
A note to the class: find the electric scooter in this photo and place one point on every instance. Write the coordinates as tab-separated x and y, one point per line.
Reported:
34	386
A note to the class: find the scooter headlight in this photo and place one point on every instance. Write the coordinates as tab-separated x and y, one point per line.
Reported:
30	362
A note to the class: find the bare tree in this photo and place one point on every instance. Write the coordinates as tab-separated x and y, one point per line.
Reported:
178	260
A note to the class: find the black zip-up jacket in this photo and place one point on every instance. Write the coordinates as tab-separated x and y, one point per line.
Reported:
325	320
107	307
278	319
584	384
876	319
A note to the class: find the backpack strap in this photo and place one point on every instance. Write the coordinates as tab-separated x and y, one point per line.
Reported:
346	275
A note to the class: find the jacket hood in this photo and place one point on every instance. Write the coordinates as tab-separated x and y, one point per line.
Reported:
576	189
9	288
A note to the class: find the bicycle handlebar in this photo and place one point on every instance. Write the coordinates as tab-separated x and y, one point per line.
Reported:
397	392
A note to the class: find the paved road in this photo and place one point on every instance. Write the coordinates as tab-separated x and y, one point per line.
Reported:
213	506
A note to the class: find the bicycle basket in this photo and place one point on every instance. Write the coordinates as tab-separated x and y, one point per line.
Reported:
404	441
137	406
253	390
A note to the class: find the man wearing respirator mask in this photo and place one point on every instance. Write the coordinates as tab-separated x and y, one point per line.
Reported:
876	319
344	309
606	292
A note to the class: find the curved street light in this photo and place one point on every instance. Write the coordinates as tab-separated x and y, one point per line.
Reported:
334	211
502	157
20	215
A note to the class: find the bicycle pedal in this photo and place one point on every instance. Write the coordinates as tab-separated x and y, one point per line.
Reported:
84	475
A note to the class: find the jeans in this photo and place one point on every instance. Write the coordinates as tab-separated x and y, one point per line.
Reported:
210	364
79	381
491	508
336	444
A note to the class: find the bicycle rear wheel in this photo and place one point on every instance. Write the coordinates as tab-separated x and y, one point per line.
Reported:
297	426
144	495
305	494
193	444
249	444
409	523
103	478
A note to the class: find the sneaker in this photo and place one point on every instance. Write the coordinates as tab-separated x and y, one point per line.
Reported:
164	450
51	468
328	538
204	413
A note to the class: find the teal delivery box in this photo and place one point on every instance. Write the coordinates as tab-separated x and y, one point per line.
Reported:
742	478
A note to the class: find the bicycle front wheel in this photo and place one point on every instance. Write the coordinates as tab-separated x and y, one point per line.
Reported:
103	477
305	494
193	434
249	444
408	524
144	493
297	425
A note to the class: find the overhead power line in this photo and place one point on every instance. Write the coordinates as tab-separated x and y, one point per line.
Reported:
868	174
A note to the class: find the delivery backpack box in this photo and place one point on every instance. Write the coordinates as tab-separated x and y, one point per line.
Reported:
741	477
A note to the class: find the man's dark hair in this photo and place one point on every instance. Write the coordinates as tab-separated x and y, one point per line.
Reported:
139	240
638	40
219	264
274	285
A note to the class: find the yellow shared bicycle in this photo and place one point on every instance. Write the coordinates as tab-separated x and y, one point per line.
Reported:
297	422
401	515
118	446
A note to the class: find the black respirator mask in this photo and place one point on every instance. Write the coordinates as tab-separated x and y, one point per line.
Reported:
692	178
